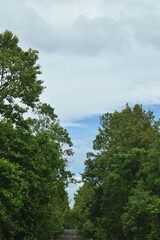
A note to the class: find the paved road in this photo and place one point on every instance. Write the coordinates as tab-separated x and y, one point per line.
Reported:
69	234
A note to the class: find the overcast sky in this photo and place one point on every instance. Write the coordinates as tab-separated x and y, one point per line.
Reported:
95	55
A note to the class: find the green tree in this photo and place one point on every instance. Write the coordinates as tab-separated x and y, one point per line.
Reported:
141	218
11	187
122	131
18	77
81	211
33	151
114	172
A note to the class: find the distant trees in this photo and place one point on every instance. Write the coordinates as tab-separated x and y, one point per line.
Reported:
120	198
33	174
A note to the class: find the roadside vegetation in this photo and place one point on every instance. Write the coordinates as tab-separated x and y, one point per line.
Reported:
33	174
120	197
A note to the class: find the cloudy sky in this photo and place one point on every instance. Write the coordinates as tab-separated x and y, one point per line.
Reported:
95	55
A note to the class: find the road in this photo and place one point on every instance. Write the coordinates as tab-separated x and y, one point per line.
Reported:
69	234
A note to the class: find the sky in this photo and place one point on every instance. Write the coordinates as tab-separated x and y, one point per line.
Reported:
95	56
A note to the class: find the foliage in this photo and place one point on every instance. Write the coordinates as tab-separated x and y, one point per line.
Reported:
11	186
124	177
33	151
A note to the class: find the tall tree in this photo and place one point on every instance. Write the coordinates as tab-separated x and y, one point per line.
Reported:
114	173
33	151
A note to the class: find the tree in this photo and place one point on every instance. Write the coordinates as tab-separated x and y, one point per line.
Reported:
11	188
141	219
115	172
18	77
33	151
83	201
122	131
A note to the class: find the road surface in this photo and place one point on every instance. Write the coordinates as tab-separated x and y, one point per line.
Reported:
69	234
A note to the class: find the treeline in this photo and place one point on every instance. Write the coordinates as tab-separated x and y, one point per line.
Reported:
33	174
120	198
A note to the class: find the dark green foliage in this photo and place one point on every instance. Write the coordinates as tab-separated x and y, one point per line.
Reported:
11	187
69	217
124	176
33	174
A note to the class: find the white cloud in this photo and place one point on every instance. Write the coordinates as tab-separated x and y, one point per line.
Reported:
93	26
80	86
64	13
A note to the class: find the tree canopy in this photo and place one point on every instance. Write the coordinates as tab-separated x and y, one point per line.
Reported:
120	196
33	150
